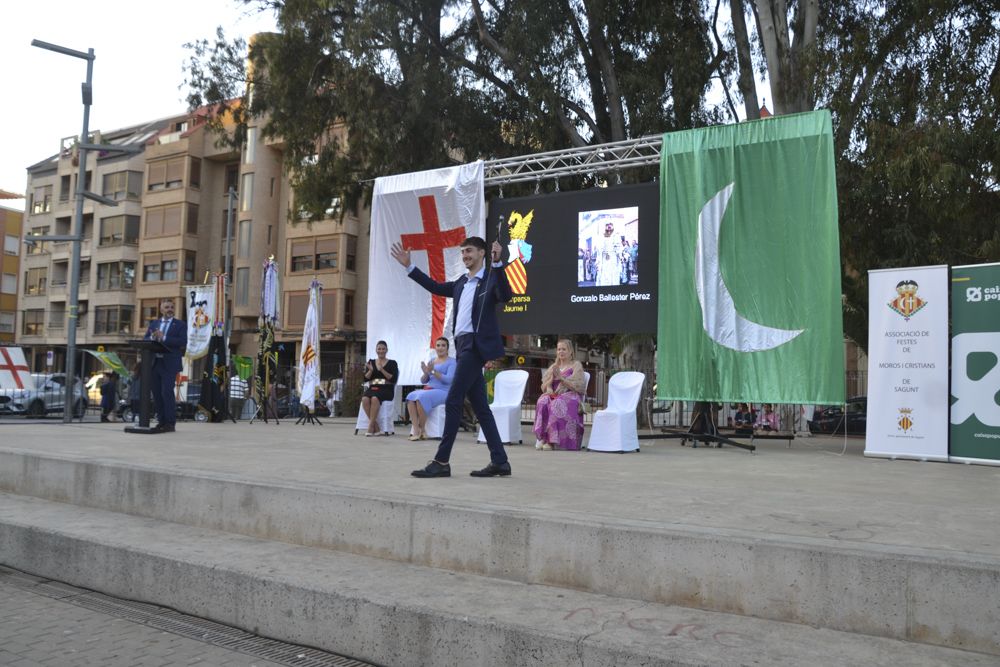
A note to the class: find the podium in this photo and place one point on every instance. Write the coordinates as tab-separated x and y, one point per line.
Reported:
148	349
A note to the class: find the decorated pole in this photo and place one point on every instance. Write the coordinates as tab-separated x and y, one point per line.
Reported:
270	314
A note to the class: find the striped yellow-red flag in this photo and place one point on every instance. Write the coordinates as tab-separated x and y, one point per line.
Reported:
517	276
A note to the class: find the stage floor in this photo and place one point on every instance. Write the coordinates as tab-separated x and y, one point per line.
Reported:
807	490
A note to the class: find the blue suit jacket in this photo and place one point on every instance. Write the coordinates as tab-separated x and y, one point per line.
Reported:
490	292
175	339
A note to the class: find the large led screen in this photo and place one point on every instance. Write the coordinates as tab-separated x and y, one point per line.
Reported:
580	262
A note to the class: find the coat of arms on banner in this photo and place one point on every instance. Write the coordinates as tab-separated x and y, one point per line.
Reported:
201	304
520	251
907	303
905	420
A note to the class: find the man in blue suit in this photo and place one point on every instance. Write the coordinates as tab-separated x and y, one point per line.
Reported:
477	340
172	332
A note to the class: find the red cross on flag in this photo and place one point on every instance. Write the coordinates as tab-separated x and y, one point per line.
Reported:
430	213
14	371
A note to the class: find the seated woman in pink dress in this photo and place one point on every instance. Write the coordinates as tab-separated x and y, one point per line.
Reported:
558	422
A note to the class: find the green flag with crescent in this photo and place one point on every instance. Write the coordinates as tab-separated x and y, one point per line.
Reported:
749	293
111	360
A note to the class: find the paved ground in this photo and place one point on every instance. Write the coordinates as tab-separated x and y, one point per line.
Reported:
37	630
808	490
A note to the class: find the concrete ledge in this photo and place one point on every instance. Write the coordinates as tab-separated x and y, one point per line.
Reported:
934	597
393	613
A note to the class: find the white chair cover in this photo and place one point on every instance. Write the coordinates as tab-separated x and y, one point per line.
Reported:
614	428
508	391
435	422
386	415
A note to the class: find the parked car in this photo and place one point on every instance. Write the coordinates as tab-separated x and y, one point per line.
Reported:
832	419
47	394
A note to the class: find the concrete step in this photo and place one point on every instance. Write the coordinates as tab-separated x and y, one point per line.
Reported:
394	613
932	596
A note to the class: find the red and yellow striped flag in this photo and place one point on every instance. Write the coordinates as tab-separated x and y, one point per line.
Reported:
517	276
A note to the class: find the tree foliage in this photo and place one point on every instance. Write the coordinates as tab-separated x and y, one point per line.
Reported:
413	84
421	83
913	87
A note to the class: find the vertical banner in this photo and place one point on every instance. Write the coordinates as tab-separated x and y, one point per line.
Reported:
200	318
908	363
975	369
749	292
308	371
430	213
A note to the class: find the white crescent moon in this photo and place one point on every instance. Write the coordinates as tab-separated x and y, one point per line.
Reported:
718	311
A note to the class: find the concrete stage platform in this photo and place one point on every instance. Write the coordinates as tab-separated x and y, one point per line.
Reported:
672	555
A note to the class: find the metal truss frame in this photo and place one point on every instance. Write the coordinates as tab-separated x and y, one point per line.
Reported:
599	159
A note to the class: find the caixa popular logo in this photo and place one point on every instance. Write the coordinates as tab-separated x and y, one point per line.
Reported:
980	294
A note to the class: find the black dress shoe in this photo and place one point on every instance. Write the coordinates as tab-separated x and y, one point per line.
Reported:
434	469
164	428
493	470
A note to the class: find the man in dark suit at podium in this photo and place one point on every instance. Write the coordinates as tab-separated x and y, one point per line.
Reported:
172	332
475	297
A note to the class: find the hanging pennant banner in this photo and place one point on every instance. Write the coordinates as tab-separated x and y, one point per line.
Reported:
200	318
908	363
975	373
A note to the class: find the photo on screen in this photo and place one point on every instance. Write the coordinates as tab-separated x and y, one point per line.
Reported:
608	247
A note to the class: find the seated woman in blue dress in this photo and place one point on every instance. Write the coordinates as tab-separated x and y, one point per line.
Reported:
437	377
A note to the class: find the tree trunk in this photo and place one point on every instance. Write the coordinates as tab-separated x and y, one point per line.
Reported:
746	84
609	78
788	64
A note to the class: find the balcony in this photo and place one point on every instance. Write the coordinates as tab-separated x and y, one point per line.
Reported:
61	250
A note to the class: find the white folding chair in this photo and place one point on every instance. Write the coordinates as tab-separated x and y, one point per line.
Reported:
614	428
386	415
508	391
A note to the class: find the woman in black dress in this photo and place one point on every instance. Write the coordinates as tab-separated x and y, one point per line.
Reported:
381	374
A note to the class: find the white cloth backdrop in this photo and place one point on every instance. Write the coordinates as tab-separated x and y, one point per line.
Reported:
399	310
908	364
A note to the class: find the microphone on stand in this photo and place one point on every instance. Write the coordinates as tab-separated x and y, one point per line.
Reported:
489	268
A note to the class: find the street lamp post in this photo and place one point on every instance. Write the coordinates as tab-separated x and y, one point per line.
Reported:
76	233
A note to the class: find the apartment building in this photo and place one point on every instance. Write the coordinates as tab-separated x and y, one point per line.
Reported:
332	250
170	230
109	254
10	268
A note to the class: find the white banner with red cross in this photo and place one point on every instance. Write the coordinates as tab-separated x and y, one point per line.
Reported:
14	371
430	213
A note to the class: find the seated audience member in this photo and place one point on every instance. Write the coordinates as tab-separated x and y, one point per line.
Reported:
437	376
768	419
558	422
381	374
744	418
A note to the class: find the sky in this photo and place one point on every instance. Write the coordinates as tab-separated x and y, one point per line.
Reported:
138	68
